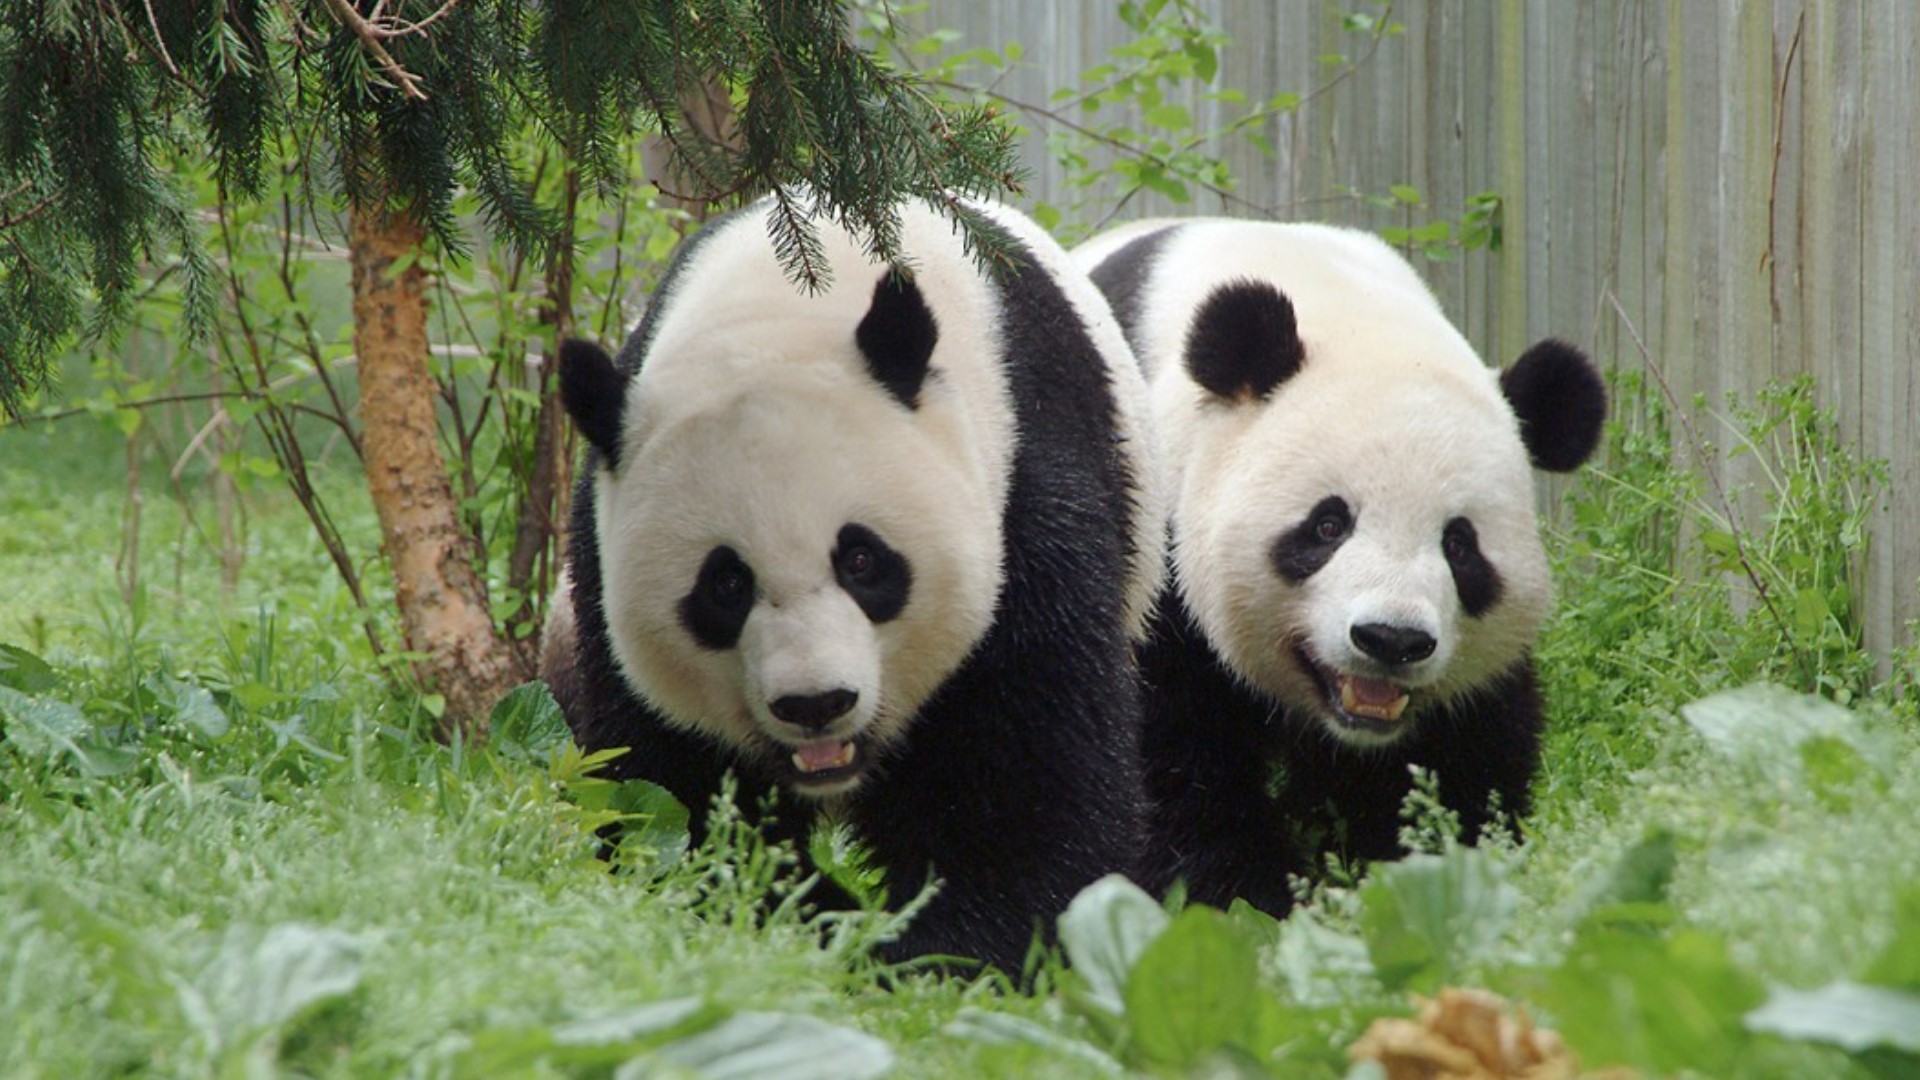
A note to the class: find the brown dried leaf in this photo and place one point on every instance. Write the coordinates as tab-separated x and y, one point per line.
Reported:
1465	1035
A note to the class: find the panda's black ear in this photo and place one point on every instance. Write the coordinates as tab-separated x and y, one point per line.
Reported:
897	336
1244	341
594	391
1561	401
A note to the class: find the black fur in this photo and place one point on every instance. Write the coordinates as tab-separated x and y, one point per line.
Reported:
595	393
1019	782
1244	341
1474	578
1561	402
1304	549
1246	793
897	337
877	577
715	611
1123	275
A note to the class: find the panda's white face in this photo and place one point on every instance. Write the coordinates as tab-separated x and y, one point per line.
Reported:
1353	519
1364	551
832	571
798	512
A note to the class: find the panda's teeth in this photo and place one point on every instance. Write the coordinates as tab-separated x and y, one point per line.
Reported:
819	756
1377	706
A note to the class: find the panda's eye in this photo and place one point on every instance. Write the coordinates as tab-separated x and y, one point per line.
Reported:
730	587
715	610
1331	526
860	564
1301	551
872	572
1458	541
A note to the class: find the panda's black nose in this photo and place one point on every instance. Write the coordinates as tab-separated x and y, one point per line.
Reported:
813	711
1392	644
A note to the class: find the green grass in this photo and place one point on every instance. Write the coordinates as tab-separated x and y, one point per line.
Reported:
225	848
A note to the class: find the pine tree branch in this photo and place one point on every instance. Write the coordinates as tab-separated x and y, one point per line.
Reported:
372	38
8	221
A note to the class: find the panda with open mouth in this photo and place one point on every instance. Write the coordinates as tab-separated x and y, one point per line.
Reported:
880	552
1357	573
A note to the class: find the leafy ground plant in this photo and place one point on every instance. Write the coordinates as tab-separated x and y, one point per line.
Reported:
230	850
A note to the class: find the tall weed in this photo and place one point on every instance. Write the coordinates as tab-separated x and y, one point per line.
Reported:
1673	587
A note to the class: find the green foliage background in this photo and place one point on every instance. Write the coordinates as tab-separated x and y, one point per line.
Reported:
227	847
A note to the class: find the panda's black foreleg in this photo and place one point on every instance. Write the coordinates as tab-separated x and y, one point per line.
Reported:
1020	787
1215	824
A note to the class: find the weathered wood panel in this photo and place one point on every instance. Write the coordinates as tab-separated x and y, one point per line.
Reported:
1737	179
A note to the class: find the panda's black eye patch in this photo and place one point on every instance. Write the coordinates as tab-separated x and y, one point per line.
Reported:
876	576
1474	578
1302	550
715	611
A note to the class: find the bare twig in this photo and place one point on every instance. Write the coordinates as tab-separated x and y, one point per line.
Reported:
1779	126
373	38
10	220
161	42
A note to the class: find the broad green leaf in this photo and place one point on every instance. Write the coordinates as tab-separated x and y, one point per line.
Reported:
1831	767
1428	916
1006	1029
1845	1014
640	1022
1640	876
1662	1004
23	671
598	1043
1193	990
257	982
1104	931
658	822
191	705
48	728
1322	966
527	724
1764	727
767	1046
1899	965
1405	193
41	727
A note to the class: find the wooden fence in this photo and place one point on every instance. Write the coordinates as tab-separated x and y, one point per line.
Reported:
1735	183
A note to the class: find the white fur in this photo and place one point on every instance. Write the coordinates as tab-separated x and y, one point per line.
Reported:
755	397
1392	411
755	423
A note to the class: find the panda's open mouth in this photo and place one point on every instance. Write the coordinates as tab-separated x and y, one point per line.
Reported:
826	763
1360	702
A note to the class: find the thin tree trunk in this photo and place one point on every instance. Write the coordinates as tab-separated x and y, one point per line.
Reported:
530	566
442	599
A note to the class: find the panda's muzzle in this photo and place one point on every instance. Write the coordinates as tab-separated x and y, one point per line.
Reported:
1361	703
820	759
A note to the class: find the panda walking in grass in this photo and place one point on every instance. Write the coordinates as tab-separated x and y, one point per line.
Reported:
880	552
1358	577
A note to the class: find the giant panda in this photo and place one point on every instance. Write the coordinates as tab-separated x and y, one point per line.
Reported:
1358	577
879	551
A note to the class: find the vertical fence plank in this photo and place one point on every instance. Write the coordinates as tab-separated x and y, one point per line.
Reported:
1890	292
1739	174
